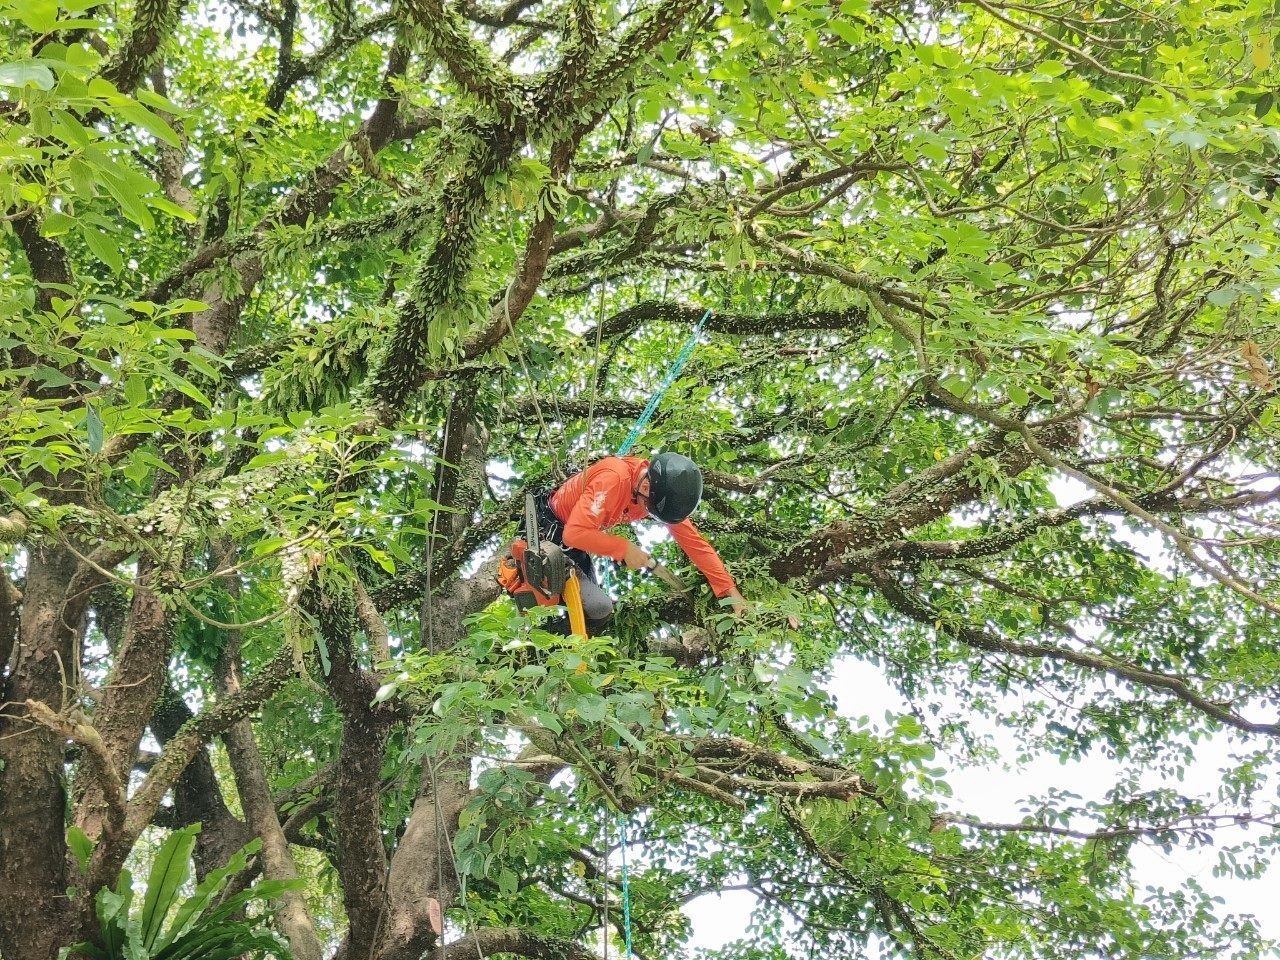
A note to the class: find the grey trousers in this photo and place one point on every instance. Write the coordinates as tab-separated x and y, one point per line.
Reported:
597	606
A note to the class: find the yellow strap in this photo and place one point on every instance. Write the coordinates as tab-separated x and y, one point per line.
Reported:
573	601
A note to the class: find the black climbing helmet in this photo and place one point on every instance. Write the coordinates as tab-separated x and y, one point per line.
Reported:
675	487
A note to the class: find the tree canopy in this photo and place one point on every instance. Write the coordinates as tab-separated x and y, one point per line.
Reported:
299	297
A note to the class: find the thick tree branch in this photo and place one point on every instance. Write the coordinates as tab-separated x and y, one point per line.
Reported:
737	324
153	23
488	941
836	550
357	796
468	61
95	754
290	911
345	37
1185	544
179	751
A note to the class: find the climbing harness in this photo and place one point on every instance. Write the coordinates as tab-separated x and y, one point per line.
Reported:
538	572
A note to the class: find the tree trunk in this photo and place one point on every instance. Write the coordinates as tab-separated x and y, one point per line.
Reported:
290	912
35	912
129	695
422	882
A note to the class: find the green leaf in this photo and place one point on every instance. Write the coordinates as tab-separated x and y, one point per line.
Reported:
50	377
80	844
112	907
93	427
322	648
194	906
590	708
760	13
26	73
130	200
137	114
104	248
39	15
169	871
56	224
164	205
135	391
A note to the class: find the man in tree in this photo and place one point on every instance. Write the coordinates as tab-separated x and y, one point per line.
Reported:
615	490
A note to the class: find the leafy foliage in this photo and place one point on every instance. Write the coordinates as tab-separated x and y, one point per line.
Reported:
297	298
203	926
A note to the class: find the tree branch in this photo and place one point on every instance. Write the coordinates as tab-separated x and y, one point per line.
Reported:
153	22
737	324
920	611
468	61
488	941
178	753
94	751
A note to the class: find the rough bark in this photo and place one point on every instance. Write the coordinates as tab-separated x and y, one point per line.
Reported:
153	21
196	796
853	320
290	912
130	694
357	804
34	874
422	870
47	258
833	553
179	752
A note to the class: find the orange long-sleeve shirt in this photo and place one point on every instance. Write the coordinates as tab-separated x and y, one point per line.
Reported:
603	496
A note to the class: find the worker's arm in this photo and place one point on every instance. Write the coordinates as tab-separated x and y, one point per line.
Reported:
582	528
705	558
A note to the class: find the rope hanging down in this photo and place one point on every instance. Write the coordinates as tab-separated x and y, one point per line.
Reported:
647	413
427	617
638	428
626	885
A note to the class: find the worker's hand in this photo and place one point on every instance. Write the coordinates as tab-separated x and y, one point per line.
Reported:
636	558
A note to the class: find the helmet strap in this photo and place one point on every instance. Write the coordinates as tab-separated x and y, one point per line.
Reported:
635	491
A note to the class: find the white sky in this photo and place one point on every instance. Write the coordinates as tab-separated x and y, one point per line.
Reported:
995	793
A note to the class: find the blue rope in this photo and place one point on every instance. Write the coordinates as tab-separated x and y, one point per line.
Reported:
647	413
626	886
638	428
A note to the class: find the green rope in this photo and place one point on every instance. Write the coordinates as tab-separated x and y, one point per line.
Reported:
626	885
647	413
638	428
